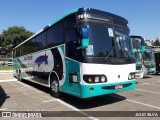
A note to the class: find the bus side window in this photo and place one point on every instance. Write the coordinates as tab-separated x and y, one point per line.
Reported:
18	52
41	41
71	42
55	35
24	49
71	36
14	53
31	45
70	21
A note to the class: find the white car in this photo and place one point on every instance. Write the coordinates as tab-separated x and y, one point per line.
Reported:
9	63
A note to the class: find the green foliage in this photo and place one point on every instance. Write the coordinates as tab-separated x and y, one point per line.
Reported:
6	68
157	43
14	35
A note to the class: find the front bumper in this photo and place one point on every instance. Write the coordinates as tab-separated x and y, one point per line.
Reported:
103	89
139	74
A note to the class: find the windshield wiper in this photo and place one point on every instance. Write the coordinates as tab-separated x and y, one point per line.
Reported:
148	55
125	52
109	54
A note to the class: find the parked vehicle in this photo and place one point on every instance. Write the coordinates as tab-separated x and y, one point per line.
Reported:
85	53
157	60
9	63
138	48
149	65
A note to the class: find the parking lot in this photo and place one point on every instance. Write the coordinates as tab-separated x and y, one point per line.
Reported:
26	96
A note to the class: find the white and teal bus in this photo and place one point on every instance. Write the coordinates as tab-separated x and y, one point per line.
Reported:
149	64
85	53
138	50
157	61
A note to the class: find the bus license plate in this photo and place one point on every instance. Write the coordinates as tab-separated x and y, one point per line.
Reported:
118	86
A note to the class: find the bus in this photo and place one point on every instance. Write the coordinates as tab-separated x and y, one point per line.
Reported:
157	60
138	49
149	64
85	53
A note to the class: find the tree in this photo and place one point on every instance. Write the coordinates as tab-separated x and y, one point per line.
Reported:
0	41
14	35
157	43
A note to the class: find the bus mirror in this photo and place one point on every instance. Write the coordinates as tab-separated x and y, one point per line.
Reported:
83	34
143	48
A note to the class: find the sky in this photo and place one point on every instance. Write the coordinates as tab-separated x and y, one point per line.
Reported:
143	15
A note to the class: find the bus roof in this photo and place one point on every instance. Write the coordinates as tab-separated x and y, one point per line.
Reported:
100	12
49	25
91	10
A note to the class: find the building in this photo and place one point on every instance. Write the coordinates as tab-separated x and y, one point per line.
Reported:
149	43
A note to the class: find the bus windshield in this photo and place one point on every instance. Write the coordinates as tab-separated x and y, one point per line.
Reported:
136	43
148	58
122	42
107	40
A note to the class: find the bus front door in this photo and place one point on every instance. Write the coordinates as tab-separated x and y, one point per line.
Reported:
73	77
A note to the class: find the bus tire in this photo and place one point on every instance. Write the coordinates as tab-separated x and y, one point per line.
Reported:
19	77
156	73
54	88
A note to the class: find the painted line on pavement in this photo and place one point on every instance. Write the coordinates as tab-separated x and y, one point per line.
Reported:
144	104
5	71
3	109
24	84
72	107
8	80
50	100
33	88
147	91
76	109
150	84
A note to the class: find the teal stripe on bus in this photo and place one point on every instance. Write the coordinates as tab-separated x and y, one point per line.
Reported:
69	13
97	89
72	67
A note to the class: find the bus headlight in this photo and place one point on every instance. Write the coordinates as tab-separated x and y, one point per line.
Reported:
90	80
95	78
103	79
131	76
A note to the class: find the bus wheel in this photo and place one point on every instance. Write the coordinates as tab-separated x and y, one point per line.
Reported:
19	77
54	86
156	73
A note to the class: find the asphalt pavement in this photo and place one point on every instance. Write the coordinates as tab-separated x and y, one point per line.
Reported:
142	103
